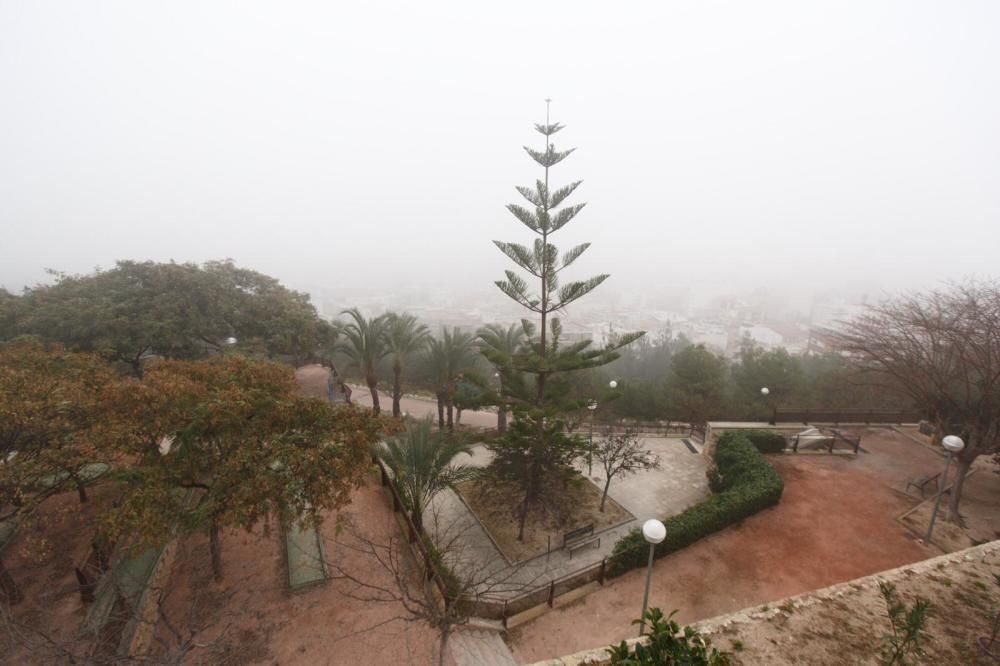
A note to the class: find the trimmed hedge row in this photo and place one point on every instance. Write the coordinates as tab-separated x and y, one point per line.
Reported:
766	441
743	482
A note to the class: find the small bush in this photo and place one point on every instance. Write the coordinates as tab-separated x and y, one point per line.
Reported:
745	484
668	644
766	441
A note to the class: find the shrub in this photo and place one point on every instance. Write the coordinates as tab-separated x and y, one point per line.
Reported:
668	644
745	484
766	441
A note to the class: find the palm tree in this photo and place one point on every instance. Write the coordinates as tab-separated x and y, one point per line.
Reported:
421	462
404	336
498	345
450	356
365	344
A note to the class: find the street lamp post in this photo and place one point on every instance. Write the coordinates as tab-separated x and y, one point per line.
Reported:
592	406
952	445
774	408
653	531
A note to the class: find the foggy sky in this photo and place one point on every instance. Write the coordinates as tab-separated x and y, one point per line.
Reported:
364	145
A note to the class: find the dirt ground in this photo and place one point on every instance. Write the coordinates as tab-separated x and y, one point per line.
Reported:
835	522
41	559
542	530
250	618
849	629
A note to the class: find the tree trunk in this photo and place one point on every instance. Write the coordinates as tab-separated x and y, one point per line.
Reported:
501	420
216	548
458	416
397	391
440	398
418	520
372	382
604	497
8	588
81	490
522	520
451	414
961	469
443	649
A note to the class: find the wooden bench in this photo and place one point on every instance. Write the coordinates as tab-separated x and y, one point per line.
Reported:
580	537
921	483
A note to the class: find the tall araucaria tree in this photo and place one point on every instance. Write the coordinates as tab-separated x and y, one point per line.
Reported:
404	336
535	457
365	343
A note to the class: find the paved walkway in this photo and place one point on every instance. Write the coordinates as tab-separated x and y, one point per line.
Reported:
479	647
420	407
678	483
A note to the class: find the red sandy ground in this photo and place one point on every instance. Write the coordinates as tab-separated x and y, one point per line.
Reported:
41	558
263	623
836	522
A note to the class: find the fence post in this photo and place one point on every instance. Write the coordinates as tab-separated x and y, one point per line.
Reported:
604	562
795	447
857	444
503	617
552	592
833	440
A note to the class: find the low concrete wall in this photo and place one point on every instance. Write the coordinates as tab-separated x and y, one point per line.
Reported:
599	656
137	639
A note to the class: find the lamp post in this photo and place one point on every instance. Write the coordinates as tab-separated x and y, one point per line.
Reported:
653	531
592	406
774	411
952	445
501	411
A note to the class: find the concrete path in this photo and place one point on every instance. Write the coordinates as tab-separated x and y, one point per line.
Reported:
420	407
479	647
678	483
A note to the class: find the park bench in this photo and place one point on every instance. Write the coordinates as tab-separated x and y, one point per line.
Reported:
921	483
580	537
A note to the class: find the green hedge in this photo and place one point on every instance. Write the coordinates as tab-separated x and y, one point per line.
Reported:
744	484
766	441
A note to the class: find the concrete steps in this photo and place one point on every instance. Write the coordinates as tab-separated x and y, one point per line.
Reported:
479	647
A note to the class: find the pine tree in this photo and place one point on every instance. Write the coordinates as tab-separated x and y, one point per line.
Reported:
536	455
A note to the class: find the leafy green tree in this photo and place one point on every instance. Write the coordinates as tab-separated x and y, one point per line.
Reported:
56	410
499	345
537	462
405	336
140	310
450	356
366	343
776	370
469	394
234	434
422	462
696	384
